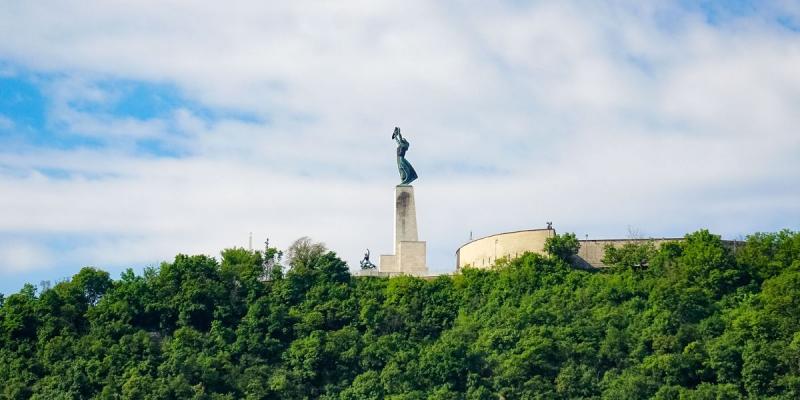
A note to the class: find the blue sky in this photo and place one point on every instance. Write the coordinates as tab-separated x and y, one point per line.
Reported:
130	134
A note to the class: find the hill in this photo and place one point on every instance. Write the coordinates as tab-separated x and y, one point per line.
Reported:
688	320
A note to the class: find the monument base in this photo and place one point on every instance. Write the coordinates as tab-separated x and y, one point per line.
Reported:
412	257
388	263
410	252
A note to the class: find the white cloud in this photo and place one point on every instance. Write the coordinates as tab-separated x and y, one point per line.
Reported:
595	117
23	256
6	123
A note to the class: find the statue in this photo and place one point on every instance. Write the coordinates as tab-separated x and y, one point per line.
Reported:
366	263
407	173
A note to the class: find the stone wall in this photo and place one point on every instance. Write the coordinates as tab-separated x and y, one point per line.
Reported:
592	251
483	252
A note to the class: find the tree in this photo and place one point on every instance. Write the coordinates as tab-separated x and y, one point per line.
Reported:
563	247
633	255
303	252
700	322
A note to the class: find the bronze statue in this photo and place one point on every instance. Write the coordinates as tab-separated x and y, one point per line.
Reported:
366	263
407	173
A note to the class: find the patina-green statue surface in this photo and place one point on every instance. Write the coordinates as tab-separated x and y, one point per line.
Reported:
407	173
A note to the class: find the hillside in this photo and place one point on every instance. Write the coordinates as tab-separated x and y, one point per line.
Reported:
691	320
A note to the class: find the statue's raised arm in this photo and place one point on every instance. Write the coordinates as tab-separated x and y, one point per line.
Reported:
398	137
407	173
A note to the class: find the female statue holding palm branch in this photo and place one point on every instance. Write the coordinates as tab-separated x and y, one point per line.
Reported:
407	173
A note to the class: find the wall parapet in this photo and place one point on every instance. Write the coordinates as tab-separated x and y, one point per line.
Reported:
484	252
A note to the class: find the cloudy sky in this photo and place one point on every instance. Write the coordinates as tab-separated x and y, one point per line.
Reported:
133	131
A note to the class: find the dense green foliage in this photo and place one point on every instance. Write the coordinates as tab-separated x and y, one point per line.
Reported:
688	320
563	246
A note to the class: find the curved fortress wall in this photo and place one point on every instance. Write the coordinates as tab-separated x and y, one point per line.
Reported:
484	252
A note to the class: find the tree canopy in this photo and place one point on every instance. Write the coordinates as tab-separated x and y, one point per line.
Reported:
694	319
564	246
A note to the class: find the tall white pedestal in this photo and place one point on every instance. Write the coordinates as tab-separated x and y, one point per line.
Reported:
409	252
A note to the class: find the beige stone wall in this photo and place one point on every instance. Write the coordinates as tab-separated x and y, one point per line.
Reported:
483	252
388	263
592	251
382	274
411	257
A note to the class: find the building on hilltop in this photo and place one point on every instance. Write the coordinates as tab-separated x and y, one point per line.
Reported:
484	252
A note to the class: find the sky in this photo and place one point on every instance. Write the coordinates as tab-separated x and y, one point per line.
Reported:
131	131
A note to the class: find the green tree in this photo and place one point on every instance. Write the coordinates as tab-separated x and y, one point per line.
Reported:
695	319
635	256
563	246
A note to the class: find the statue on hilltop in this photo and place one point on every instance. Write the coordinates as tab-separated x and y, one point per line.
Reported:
407	173
366	263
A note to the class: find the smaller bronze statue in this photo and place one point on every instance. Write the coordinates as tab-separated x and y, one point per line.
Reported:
407	173
366	263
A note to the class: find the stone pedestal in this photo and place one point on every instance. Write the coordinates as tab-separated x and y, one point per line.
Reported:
409	253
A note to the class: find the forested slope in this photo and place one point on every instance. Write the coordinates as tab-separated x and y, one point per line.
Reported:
691	320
